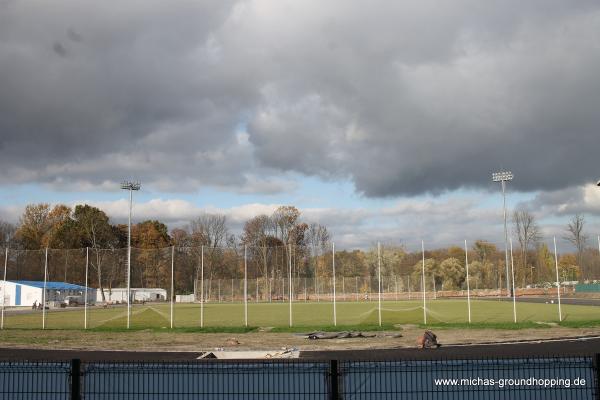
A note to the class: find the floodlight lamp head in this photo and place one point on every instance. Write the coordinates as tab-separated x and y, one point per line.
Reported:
130	185
502	176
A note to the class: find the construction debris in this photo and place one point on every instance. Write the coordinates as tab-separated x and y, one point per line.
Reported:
254	355
428	340
337	335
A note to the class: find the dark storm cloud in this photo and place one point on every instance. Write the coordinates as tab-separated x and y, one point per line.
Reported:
429	98
59	49
96	92
401	98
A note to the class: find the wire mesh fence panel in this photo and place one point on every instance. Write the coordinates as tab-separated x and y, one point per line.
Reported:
23	289
66	289
150	287
186	269
536	378
33	381
107	275
426	283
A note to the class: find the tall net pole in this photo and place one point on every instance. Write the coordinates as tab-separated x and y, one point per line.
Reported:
334	303
505	236
557	280
4	287
290	280
85	310
316	274
131	186
468	286
44	292
512	272
305	291
423	283
245	286
129	261
202	287
172	281
379	282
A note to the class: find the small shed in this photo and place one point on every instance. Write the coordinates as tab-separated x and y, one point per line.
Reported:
119	295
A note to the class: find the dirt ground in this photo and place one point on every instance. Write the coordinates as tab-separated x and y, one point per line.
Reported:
166	341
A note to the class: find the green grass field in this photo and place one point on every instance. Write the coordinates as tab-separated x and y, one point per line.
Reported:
361	314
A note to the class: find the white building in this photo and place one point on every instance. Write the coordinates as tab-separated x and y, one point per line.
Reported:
25	293
184	298
113	295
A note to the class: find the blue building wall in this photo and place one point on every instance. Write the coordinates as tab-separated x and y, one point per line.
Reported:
17	295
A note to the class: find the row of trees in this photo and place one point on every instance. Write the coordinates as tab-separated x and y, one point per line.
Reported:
274	243
270	239
534	255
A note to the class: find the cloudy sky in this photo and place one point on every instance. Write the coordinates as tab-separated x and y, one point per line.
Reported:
383	120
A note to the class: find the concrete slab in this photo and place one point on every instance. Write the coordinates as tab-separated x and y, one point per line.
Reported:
251	355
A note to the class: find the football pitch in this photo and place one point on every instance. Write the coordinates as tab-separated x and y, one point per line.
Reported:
311	314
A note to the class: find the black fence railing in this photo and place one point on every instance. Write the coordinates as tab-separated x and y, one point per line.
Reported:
35	380
521	378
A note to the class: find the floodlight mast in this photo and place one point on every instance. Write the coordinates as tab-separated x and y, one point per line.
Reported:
502	177
131	186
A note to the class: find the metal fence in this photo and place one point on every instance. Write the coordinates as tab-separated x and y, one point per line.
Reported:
100	282
522	378
35	380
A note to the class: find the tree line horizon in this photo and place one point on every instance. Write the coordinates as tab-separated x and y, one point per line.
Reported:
274	244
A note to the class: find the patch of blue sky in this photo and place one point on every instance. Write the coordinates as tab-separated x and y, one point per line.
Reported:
309	192
35	193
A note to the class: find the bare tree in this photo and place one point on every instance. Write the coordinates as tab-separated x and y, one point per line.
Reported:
96	232
7	233
317	238
528	232
258	233
211	231
576	236
285	219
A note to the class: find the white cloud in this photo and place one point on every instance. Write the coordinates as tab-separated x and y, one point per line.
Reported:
440	222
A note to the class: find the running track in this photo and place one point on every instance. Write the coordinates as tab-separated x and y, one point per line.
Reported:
582	346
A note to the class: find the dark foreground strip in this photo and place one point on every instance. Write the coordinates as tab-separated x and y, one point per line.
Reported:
529	349
10	354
